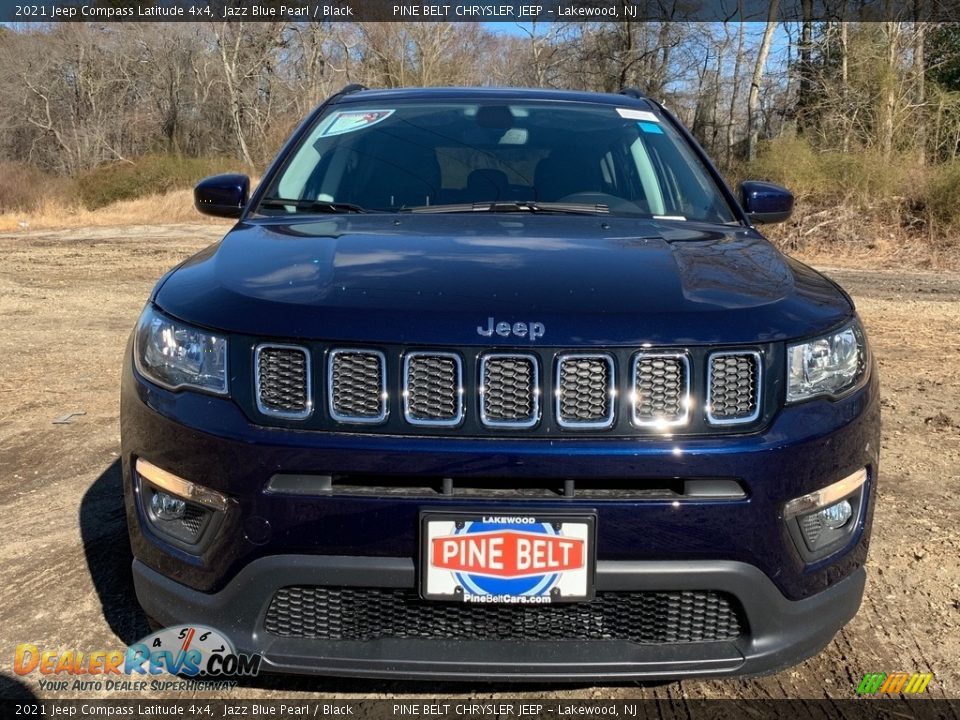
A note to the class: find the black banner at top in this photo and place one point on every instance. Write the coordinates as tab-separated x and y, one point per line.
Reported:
510	11
407	708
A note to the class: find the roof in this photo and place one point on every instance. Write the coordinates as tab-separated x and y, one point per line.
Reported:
492	93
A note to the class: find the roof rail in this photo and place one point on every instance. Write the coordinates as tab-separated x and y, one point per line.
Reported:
633	92
352	87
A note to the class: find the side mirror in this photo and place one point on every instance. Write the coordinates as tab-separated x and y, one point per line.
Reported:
222	195
765	202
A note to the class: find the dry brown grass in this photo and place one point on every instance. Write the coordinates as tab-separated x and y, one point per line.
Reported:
168	208
847	234
23	188
855	235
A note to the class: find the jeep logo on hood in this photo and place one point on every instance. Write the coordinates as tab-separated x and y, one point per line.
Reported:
530	330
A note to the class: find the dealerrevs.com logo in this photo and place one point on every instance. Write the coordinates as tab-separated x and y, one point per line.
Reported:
204	657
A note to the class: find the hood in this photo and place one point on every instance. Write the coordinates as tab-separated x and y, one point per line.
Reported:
443	279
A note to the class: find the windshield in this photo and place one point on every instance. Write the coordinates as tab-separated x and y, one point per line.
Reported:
458	157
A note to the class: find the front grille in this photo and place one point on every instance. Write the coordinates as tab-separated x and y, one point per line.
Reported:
336	613
585	391
357	386
661	389
733	387
509	393
477	392
433	389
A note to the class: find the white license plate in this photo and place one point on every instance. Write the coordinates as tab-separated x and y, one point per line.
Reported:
523	559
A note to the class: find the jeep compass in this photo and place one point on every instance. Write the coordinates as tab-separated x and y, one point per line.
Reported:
500	384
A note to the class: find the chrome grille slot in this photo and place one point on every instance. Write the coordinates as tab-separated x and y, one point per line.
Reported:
585	391
433	389
733	387
357	382
661	389
283	381
509	391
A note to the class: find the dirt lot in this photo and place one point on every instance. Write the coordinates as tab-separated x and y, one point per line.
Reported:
68	300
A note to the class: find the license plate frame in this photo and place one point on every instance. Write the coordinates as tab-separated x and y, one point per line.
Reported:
539	538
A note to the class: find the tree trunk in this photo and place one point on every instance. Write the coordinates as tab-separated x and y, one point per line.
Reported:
753	103
845	85
230	73
920	79
888	89
735	90
806	64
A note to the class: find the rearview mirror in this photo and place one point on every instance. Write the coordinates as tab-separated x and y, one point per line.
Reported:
222	195
765	202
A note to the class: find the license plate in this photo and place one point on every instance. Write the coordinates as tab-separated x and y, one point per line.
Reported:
522	559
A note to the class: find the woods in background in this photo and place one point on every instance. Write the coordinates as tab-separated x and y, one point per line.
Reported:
784	98
73	96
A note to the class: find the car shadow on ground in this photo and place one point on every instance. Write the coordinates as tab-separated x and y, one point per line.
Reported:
103	528
103	531
13	689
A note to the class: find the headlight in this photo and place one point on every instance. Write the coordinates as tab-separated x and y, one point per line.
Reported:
176	356
826	366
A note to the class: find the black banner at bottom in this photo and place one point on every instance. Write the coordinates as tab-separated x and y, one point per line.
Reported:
488	709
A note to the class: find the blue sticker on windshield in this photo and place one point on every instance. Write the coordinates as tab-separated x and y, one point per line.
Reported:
649	127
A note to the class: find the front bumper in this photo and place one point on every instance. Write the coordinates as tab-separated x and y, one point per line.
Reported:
781	632
269	540
208	440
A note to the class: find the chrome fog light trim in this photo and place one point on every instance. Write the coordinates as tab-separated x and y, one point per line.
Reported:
824	497
175	485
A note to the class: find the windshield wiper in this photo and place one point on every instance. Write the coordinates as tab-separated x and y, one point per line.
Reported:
513	206
319	206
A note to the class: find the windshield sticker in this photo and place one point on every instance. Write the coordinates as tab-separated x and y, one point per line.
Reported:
353	120
630	114
649	127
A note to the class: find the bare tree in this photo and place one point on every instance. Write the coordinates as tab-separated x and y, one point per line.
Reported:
753	102
248	53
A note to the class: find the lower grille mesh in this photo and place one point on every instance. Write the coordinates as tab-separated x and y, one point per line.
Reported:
335	613
811	526
193	520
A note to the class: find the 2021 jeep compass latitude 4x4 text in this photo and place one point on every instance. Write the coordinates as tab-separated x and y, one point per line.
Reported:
500	384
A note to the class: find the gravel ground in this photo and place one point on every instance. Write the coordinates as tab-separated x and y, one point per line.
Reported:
68	300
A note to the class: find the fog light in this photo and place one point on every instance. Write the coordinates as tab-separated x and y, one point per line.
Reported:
167	507
836	516
821	522
180	511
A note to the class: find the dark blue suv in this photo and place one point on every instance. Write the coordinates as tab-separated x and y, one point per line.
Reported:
500	384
